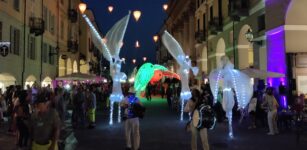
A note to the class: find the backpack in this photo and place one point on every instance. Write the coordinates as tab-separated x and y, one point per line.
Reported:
203	117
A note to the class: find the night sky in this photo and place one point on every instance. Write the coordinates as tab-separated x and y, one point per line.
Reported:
149	24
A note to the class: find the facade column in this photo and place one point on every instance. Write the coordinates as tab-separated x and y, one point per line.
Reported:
191	38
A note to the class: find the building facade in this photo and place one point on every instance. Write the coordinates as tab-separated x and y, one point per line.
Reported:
45	41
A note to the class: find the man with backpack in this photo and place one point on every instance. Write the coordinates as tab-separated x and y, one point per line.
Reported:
132	112
202	117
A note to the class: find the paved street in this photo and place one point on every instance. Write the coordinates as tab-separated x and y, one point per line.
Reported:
161	130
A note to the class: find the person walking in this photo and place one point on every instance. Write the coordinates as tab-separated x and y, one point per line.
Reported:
79	112
91	107
271	104
190	107
44	124
132	124
252	111
148	92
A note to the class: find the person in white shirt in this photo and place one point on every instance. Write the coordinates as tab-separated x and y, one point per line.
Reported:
252	111
272	105
132	124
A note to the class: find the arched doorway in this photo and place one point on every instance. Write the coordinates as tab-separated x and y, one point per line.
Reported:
47	81
245	49
30	81
84	67
62	67
75	67
220	50
6	80
204	60
68	66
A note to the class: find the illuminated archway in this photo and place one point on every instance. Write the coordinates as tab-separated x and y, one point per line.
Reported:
245	49
220	50
68	66
30	80
75	67
62	67
47	81
84	67
6	80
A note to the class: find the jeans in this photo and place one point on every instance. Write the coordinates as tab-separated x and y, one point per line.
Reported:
132	129
203	135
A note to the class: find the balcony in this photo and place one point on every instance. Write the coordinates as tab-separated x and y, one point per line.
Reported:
238	8
37	26
200	36
72	46
73	15
216	25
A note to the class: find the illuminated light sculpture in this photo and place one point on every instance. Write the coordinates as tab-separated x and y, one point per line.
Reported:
82	7
232	80
149	73
155	38
144	58
137	14
165	7
137	44
133	61
110	8
184	61
110	48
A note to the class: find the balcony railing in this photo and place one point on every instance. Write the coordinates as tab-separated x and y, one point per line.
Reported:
200	36
37	26
216	25
239	8
73	15
72	46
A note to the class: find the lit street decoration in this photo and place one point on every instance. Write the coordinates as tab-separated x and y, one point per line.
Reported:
133	61
156	38
123	59
137	44
165	7
137	14
144	58
82	7
110	9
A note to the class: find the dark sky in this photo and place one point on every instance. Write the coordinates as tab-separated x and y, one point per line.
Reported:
149	24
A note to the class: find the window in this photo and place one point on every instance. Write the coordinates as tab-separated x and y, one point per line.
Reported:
0	31
51	57
16	5
62	29
15	40
51	23
45	52
45	17
211	13
261	22
198	25
31	48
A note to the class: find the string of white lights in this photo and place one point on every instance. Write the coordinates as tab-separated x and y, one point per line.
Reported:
111	112
119	115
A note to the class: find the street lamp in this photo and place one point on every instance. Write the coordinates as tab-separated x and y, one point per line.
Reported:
249	35
82	7
155	38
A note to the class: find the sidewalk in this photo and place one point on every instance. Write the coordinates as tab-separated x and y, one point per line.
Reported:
7	141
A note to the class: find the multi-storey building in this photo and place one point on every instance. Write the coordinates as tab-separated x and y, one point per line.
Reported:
45	38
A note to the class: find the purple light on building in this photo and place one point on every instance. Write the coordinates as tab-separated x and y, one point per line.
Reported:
283	102
276	55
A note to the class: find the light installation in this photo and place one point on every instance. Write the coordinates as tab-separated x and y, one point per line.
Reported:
184	61
133	61
110	48
137	44
165	7
110	9
137	14
144	58
155	38
232	80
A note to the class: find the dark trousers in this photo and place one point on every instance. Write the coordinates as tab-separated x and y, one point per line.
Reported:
23	135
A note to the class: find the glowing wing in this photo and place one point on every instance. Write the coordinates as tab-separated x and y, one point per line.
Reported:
143	76
243	87
159	67
172	45
97	40
115	36
214	78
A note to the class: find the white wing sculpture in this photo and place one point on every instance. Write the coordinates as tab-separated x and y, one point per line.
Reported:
184	61
232	80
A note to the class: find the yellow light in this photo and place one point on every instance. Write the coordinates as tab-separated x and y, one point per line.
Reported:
137	14
137	44
82	7
165	7
156	38
110	8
